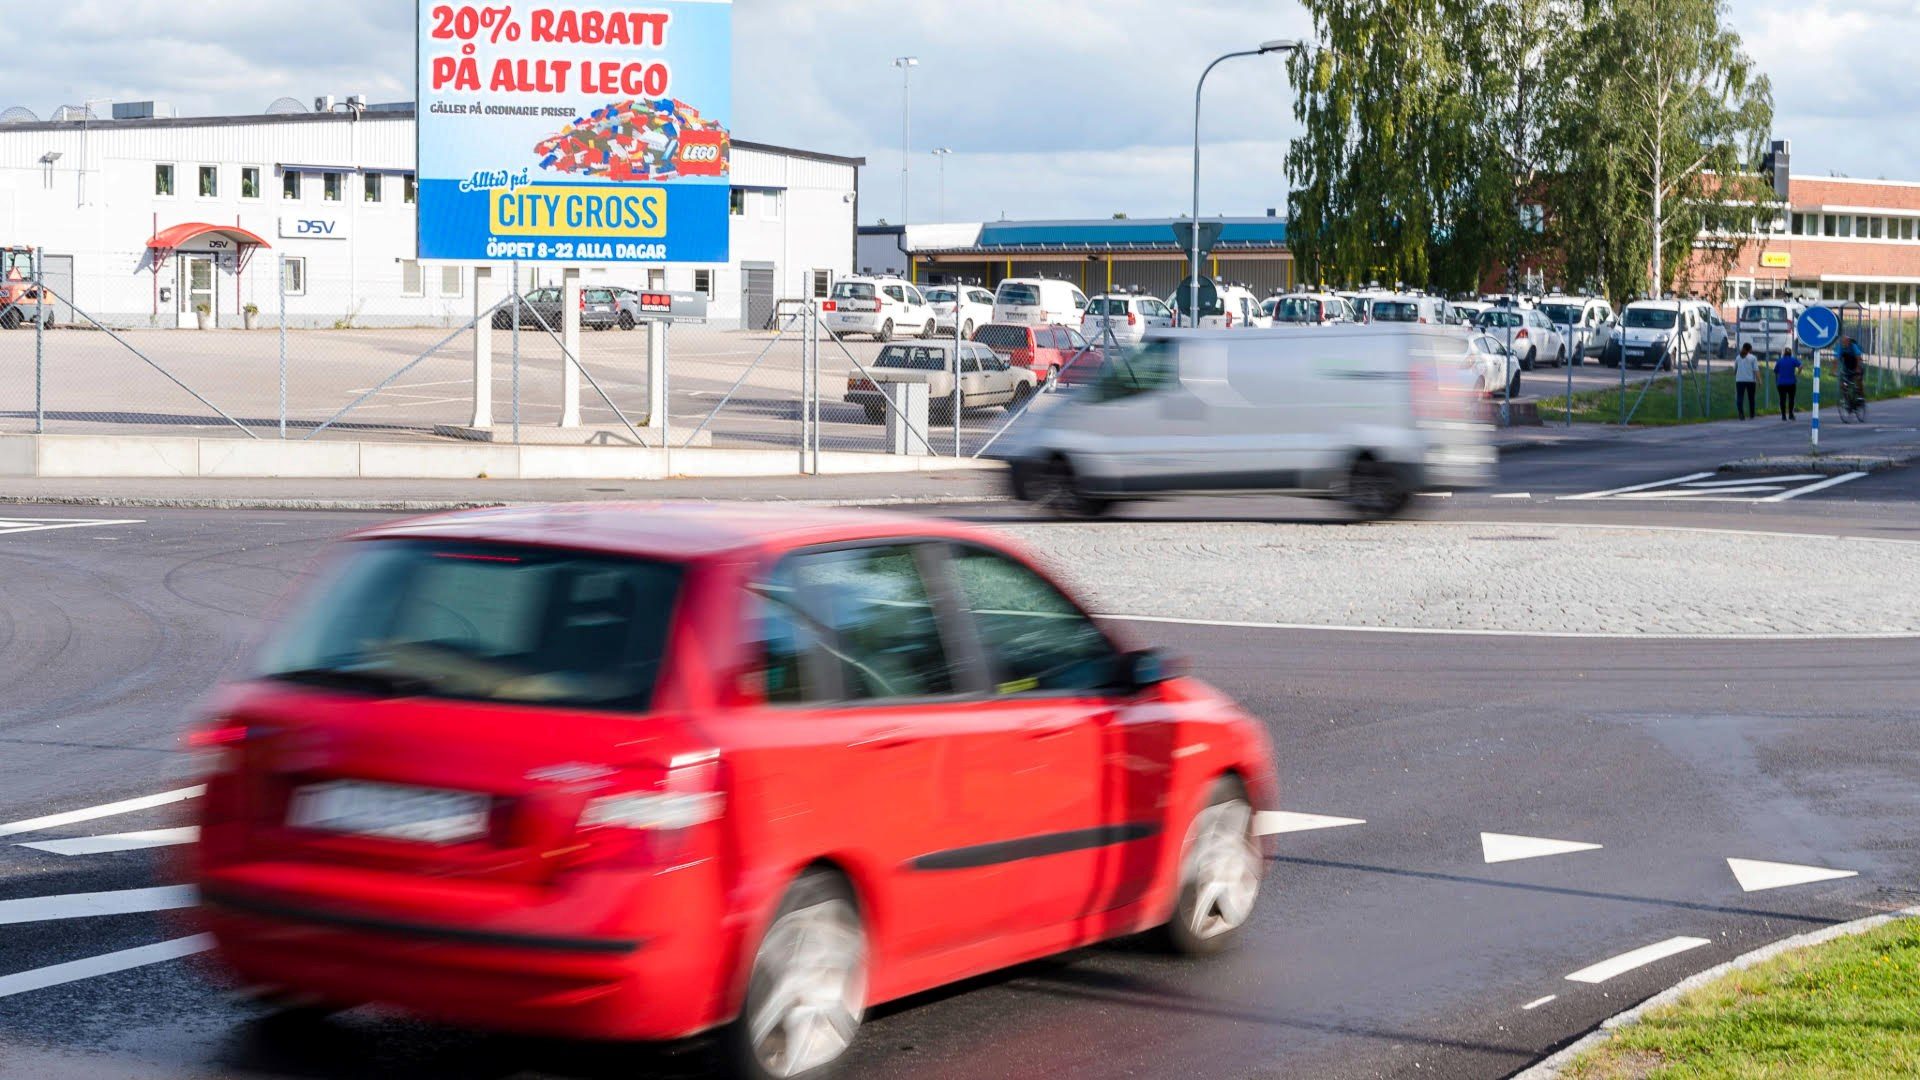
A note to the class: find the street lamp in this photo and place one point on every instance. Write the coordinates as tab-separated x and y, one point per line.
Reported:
940	154
1193	306
906	64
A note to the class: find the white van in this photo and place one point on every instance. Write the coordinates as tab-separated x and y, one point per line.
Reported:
1659	334
1411	308
1768	325
1367	415
1585	321
1239	310
1038	302
1309	309
884	307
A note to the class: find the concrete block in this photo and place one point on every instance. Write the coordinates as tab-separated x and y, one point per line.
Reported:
413	461
275	459
19	455
118	455
592	463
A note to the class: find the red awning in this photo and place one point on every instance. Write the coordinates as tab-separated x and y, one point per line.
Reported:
171	239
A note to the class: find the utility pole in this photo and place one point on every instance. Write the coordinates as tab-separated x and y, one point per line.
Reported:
940	154
906	64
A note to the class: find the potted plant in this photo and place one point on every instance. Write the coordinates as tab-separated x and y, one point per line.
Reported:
203	314
253	316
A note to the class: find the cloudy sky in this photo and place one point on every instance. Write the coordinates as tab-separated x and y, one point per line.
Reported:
1053	108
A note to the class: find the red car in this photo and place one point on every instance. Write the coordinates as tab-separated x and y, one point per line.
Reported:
1060	353
649	771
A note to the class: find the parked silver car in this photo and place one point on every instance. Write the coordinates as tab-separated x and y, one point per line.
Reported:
986	379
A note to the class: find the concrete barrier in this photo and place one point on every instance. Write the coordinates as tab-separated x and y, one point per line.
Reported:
112	456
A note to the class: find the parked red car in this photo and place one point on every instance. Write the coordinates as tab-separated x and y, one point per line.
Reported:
644	772
1050	352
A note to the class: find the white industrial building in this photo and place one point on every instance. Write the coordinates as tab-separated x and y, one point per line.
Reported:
146	218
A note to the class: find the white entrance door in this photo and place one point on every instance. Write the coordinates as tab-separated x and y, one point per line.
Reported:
197	289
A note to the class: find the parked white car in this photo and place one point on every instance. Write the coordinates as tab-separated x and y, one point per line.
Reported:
1768	325
1239	310
1126	317
1309	309
1038	302
1410	308
1529	332
1716	337
1495	368
1655	334
973	304
1585	321
883	307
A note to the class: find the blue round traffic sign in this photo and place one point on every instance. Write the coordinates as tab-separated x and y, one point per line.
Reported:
1819	327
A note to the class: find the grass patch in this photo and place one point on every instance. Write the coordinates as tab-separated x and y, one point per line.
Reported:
1712	398
1844	1010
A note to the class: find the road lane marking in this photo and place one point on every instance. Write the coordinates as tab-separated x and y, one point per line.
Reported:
12	526
1705	494
125	806
95	904
1545	635
128	841
1503	847
106	964
1275	822
1516	495
1591	495
1771	480
1756	876
1833	482
1635	960
1532	1005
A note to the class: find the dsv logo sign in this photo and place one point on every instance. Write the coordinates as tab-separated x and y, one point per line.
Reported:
315	227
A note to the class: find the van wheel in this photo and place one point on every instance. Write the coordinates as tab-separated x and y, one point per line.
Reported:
807	991
886	331
1053	487
1373	491
1220	871
966	332
927	332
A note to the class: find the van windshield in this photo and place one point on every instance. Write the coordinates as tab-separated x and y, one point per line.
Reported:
1764	313
1395	311
1141	370
1106	307
523	625
1651	318
1022	295
853	290
1563	314
1296	309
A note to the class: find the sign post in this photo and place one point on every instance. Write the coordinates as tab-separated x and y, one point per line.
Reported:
575	131
1818	329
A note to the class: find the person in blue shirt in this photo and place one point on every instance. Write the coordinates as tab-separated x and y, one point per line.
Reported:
1786	379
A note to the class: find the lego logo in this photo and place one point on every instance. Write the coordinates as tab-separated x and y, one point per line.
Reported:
703	153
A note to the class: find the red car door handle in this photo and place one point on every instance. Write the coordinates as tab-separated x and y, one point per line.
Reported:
884	739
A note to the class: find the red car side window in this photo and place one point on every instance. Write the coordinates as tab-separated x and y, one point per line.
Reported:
848	625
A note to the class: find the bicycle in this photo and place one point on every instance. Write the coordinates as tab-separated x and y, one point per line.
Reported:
1853	400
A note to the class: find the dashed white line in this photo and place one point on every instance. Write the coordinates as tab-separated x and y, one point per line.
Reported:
1532	1005
1516	495
1638	958
128	841
1833	482
1275	822
125	806
106	964
96	904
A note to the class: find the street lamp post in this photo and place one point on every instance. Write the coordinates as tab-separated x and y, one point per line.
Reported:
940	154
1193	305
906	64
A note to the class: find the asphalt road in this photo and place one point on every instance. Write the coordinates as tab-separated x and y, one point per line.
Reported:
1389	948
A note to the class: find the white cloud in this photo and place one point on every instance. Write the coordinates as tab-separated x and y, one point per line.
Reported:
1054	107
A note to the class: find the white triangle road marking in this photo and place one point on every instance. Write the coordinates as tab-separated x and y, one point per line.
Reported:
1275	822
129	841
1756	876
93	966
125	806
1501	847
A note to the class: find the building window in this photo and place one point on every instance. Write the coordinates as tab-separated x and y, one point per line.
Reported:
410	280
293	276
1799	224
1831	228
657	279
1860	227
250	182
1906	228
1906	295
209	181
330	187
409	189
1879	228
163	180
703	283
370	190
452	281
822	284
737	202
290	185
769	205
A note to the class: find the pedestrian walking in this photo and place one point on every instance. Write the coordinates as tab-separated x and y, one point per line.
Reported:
1786	379
1746	383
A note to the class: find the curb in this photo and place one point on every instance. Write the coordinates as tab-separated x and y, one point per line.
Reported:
436	506
1554	1067
1826	465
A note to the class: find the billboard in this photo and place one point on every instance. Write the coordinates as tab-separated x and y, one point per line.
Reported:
575	131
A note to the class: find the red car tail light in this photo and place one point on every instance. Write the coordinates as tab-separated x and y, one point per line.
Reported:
649	825
216	746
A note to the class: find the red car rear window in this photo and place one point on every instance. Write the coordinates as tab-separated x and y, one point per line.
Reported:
1001	338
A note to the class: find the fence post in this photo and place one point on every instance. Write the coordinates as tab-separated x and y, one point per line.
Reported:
280	287
39	345
516	354
662	357
1622	337
959	296
482	349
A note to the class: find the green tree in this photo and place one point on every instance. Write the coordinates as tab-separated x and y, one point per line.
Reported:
1659	146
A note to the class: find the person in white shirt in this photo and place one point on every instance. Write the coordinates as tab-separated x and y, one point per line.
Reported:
1746	381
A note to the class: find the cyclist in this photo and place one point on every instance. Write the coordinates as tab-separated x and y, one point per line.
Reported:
1853	372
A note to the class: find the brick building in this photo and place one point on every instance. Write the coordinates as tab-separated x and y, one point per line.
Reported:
1837	239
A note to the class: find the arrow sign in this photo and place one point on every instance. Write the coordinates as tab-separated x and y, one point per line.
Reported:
1275	822
1500	847
1818	327
1757	876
